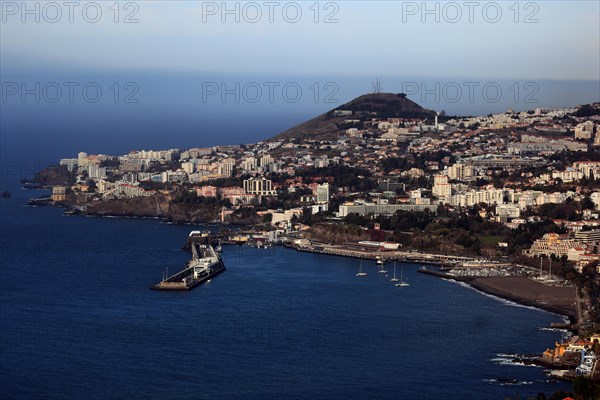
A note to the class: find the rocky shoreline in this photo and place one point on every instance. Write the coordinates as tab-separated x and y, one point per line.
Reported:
159	206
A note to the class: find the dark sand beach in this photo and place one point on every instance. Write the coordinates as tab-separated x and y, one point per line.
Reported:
526	291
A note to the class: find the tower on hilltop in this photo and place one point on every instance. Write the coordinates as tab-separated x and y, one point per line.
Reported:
376	86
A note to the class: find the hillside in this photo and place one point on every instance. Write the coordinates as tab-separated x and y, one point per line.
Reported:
382	105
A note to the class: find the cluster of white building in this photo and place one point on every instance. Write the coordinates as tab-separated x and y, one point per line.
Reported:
121	190
381	208
581	248
458	194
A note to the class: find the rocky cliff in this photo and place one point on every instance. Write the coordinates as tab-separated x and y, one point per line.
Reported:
161	206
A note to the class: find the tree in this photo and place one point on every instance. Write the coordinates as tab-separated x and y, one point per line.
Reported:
91	185
585	389
560	395
587	203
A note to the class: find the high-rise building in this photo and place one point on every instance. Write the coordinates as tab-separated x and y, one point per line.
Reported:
507	211
266	160
460	171
96	172
82	159
249	164
226	167
584	130
188	167
323	193
441	188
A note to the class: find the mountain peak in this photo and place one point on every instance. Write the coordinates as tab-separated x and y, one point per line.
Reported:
372	105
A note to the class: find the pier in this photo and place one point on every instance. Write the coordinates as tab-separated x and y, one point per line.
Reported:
205	264
387	256
187	279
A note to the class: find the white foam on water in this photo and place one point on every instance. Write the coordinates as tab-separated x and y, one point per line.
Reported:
505	301
510	361
501	383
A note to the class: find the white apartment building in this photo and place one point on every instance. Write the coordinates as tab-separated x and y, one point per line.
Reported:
595	197
551	244
382	209
461	171
266	160
585	130
568	175
225	167
441	188
70	163
323	193
506	211
473	197
589	169
96	172
188	167
127	190
248	164
153	155
259	186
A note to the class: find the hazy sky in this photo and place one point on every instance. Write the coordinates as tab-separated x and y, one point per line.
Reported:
528	52
369	38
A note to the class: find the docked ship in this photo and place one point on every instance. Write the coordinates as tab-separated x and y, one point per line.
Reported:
205	264
201	238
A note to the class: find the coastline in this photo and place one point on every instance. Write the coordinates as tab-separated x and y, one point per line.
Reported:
524	292
561	310
519	290
488	285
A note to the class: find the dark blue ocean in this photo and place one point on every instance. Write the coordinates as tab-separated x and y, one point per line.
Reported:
78	321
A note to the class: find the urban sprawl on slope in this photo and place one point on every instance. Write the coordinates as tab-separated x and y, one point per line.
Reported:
515	194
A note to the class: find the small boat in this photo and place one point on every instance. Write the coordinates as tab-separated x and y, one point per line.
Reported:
380	262
402	283
394	279
360	271
382	270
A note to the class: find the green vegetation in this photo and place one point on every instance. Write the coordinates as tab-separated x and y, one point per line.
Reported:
454	232
190	197
570	210
55	175
386	105
490	240
586	111
583	389
587	284
342	176
418	160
